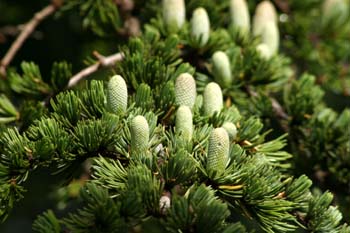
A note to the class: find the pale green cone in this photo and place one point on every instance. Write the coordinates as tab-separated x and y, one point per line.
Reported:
240	14
174	14
218	151
184	124
264	12
271	37
212	99
185	90
231	129
200	26
264	50
139	134
222	69
117	94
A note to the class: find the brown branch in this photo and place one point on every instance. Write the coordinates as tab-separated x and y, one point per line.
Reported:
14	31
276	106
28	29
278	109
283	5
280	113
102	63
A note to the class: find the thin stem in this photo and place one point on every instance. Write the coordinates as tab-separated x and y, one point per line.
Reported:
27	30
277	108
102	63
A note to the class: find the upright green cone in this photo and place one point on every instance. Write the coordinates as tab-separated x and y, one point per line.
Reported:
271	37
212	99
117	94
240	15
265	25
185	90
222	69
139	134
200	26
218	152
184	123
264	12
174	14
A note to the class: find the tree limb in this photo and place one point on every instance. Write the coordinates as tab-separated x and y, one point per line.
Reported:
277	108
28	29
102	63
14	31
283	5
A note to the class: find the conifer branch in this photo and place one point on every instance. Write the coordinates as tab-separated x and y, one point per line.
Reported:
162	151
102	63
276	106
26	32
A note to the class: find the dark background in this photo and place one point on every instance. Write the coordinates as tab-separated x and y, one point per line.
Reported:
56	39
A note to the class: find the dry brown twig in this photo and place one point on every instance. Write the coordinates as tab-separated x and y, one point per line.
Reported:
103	62
29	27
14	31
283	5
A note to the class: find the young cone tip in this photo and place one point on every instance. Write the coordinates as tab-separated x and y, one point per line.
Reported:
240	14
184	124
337	10
164	203
264	12
200	26
117	94
231	129
185	90
174	14
264	51
222	68
270	37
212	99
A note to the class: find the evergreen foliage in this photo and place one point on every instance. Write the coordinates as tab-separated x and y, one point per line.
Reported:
194	130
